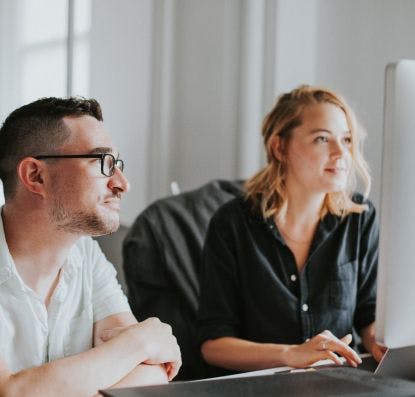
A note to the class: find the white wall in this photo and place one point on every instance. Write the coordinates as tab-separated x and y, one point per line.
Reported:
185	84
204	97
355	41
121	42
1	194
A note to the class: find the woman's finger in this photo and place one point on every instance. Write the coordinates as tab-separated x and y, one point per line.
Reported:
347	339
334	357
341	347
345	351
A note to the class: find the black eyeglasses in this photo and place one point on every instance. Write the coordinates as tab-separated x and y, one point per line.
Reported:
108	161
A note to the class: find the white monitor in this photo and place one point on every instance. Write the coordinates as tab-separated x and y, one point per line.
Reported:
395	308
1	194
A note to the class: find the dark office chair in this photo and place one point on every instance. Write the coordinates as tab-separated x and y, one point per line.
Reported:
161	260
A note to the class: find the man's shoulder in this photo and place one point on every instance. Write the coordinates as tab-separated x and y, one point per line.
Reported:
87	244
86	252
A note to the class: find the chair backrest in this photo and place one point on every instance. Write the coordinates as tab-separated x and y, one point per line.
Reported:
161	261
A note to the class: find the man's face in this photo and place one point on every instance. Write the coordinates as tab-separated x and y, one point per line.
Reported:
81	199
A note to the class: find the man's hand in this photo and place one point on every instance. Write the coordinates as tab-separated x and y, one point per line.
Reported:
320	347
156	339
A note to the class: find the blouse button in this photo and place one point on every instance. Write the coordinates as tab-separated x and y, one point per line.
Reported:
304	307
293	277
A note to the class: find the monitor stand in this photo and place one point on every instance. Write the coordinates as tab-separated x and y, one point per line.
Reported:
398	363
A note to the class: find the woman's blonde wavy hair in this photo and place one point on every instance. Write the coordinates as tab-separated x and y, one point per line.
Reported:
266	189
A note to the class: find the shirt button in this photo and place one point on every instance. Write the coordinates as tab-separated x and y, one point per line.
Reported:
304	307
293	277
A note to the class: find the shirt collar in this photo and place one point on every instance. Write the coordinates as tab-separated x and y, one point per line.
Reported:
74	260
325	227
7	267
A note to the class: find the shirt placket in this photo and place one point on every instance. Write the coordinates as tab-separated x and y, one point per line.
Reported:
56	348
41	313
304	309
300	282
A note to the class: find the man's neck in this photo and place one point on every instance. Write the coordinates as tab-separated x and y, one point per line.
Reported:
38	249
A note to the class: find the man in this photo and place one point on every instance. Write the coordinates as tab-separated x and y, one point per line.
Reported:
65	325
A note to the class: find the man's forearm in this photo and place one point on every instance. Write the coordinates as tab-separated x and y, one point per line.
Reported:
144	375
79	375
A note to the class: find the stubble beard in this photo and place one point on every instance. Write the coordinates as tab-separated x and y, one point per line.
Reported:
82	222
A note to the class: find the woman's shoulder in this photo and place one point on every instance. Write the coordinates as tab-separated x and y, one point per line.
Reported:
359	198
368	215
231	207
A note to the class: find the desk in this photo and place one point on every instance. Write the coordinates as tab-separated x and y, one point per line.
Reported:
326	382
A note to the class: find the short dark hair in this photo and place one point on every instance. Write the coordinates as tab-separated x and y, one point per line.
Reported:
38	128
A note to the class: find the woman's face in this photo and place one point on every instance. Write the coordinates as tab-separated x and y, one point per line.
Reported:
318	153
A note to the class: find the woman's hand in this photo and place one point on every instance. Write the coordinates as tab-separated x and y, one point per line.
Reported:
369	342
378	351
321	347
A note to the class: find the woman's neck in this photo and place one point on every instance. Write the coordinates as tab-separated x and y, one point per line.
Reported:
297	225
301	211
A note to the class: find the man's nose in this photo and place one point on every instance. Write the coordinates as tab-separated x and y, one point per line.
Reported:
119	181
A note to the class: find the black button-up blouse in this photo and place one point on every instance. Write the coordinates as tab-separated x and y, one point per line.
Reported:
251	289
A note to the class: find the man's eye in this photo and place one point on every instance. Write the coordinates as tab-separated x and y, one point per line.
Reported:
321	139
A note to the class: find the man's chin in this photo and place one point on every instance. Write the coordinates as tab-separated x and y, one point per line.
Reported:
94	226
105	232
105	228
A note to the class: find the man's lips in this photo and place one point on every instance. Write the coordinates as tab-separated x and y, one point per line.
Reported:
113	203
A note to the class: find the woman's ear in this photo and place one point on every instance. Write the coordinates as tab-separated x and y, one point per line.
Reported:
30	173
277	147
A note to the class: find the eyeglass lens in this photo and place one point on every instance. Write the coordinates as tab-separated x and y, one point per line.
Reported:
109	163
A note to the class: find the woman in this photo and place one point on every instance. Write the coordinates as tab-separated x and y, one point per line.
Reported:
290	269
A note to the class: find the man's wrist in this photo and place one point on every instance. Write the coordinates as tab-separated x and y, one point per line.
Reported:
137	343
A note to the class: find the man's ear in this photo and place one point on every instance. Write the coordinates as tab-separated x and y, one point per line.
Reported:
277	146
31	175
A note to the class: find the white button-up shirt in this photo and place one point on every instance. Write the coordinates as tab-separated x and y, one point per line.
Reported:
87	292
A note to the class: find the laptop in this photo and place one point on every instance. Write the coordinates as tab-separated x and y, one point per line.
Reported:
398	363
331	382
